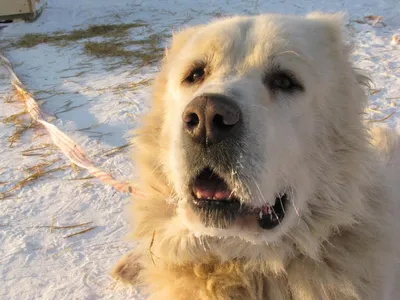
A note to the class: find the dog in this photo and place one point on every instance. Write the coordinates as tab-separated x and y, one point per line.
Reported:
262	180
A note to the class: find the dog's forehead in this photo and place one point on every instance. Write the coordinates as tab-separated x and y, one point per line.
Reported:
254	40
267	33
240	35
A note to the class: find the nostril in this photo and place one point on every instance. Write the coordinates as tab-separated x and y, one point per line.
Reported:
211	118
226	121
220	123
191	120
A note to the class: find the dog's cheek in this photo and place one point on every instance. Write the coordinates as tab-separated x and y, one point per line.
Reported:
295	142
174	162
282	143
295	130
172	159
283	149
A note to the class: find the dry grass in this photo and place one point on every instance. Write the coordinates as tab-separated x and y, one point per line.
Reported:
118	89
132	85
83	178
152	255
33	174
116	41
15	118
21	124
67	107
20	130
62	38
116	150
116	44
80	232
106	49
62	227
5	195
393	98
374	91
53	227
40	166
382	119
51	93
20	121
147	50
11	98
43	150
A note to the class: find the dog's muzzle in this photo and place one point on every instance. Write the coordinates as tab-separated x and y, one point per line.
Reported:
213	130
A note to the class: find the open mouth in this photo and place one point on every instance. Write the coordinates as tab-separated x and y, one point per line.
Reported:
220	206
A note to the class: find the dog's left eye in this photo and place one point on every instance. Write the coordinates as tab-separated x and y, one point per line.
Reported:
196	75
282	81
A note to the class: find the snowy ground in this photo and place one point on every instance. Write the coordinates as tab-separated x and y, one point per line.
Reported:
96	101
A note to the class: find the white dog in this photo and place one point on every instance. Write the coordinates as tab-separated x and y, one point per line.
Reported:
261	179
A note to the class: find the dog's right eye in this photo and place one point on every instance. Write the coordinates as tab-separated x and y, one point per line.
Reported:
282	81
196	75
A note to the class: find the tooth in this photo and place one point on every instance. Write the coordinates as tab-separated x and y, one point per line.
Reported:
198	195
266	209
260	214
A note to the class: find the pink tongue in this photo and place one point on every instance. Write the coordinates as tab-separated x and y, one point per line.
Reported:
210	190
222	195
210	194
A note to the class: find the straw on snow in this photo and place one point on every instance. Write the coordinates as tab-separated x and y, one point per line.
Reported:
60	139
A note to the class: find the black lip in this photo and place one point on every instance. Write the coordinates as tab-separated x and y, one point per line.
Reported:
216	213
222	213
277	214
231	204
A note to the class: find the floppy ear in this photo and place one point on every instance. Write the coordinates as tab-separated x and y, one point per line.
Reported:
334	18
333	21
333	28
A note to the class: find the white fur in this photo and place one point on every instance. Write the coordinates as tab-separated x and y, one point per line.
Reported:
339	237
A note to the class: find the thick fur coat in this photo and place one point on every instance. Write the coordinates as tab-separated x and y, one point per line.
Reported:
339	235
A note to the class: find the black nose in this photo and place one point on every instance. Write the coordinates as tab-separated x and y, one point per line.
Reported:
211	118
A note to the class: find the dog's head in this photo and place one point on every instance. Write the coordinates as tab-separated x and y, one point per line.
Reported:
252	111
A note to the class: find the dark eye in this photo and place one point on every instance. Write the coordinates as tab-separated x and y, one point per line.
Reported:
282	81
196	75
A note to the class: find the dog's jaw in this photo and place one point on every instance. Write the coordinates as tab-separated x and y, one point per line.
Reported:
246	227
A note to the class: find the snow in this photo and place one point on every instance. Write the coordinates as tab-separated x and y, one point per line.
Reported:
39	263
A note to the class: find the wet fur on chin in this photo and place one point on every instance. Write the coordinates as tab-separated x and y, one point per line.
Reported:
327	255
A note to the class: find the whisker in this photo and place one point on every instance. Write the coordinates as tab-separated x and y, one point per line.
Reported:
293	204
280	200
303	57
261	194
258	187
259	106
156	168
